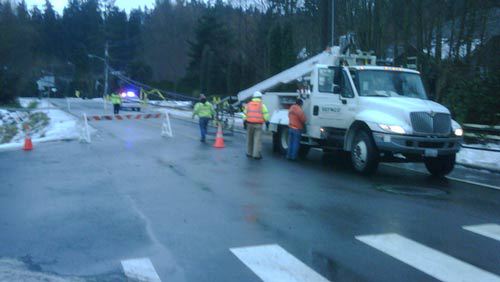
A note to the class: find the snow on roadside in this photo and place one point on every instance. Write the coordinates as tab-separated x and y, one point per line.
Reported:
61	125
25	102
16	270
480	158
173	104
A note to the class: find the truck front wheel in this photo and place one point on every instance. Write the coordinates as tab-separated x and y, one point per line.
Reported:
440	166
364	153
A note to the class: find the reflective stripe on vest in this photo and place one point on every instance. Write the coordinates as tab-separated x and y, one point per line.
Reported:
254	112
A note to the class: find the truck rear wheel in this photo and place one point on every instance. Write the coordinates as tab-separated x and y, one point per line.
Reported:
280	140
280	143
440	166
364	153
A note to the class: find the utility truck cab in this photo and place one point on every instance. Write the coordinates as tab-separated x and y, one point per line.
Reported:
373	112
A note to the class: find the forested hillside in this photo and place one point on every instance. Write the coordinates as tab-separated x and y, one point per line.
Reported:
221	47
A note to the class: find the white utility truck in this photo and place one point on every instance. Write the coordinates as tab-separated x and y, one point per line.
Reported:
375	113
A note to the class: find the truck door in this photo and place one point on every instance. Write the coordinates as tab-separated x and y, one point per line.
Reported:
333	103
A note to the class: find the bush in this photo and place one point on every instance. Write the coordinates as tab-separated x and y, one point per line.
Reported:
32	105
476	99
7	132
38	120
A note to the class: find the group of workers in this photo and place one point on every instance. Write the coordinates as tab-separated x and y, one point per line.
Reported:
255	116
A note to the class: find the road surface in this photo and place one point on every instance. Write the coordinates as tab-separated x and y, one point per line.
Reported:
185	211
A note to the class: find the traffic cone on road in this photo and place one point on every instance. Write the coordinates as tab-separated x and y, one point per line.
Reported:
28	145
219	138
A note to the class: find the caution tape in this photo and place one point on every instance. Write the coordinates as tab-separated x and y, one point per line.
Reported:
123	117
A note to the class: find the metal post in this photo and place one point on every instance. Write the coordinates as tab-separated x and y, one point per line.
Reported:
85	134
106	71
333	23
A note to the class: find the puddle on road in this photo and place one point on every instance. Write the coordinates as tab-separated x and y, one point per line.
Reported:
410	190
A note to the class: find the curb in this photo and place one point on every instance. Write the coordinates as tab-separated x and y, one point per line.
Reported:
473	166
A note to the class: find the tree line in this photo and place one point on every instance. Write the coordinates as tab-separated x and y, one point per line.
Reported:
221	47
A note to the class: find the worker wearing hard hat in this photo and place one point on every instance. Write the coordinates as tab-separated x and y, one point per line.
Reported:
254	116
205	111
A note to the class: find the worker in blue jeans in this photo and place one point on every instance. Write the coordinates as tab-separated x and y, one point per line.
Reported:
205	111
296	122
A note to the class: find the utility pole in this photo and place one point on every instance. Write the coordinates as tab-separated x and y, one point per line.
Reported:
106	71
333	23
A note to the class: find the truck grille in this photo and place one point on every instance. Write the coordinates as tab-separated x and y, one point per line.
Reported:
425	123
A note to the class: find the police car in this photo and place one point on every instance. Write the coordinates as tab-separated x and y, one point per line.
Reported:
130	101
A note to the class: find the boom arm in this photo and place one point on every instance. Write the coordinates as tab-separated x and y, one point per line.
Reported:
295	72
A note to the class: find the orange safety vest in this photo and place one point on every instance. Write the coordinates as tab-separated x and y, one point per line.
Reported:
254	112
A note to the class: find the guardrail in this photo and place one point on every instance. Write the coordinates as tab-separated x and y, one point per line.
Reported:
479	133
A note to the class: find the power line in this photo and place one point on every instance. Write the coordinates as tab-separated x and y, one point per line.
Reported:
148	87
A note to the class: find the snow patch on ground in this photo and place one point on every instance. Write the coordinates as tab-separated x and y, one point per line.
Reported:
61	126
480	158
173	104
25	102
14	270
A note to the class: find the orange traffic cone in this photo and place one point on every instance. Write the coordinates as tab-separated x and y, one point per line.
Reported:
28	145
219	138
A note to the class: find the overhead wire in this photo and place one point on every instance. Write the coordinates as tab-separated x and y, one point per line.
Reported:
149	87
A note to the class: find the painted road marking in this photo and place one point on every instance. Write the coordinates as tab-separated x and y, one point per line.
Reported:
425	259
272	263
449	177
489	230
140	269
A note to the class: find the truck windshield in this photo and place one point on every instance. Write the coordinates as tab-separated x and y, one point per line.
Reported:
381	83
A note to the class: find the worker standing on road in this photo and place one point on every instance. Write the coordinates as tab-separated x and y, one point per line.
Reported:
205	111
296	122
254	115
116	100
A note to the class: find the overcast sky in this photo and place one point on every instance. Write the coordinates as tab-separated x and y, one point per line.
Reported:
123	4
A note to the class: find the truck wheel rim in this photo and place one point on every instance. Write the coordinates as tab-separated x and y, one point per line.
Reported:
284	139
360	154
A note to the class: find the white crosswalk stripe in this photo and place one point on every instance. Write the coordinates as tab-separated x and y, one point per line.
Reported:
489	230
140	269
274	264
425	259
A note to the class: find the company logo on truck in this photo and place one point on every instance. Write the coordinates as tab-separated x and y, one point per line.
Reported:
330	109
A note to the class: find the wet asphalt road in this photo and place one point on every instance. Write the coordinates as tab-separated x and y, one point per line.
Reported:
79	209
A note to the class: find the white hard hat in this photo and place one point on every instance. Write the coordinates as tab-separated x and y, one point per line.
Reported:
257	94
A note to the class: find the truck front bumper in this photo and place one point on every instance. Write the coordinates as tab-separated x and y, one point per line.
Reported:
416	145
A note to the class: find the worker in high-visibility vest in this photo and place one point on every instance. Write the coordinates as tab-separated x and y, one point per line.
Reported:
205	111
254	116
116	100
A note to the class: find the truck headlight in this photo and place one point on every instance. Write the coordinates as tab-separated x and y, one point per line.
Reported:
459	132
393	128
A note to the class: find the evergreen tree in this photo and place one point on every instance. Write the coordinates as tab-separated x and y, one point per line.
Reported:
210	55
275	49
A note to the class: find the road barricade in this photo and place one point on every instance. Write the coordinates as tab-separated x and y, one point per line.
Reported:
124	117
166	128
